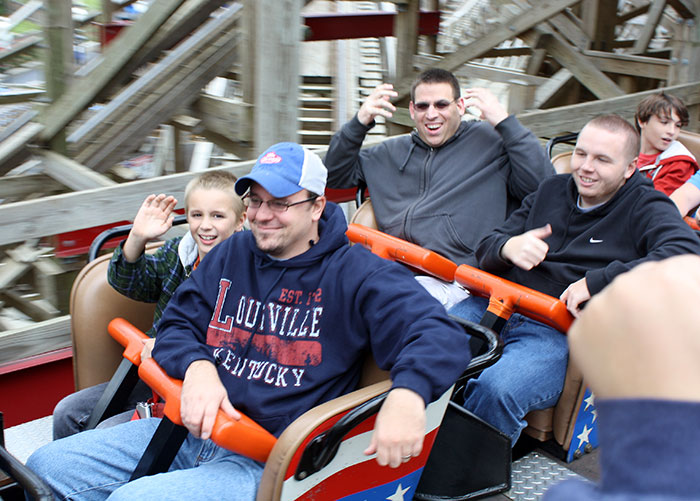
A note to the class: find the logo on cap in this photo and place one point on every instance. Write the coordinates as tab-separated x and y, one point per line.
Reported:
271	158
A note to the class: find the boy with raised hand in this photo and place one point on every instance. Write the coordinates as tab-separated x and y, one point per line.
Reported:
214	212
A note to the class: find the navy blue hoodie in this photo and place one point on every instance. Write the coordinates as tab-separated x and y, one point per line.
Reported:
648	452
289	335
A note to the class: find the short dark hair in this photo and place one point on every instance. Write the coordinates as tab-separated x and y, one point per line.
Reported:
615	123
662	105
437	75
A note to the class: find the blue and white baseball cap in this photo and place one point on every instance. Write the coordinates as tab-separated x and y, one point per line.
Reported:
284	169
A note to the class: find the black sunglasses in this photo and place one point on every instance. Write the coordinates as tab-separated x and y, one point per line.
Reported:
438	105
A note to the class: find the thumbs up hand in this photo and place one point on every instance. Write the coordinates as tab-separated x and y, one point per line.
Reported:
529	249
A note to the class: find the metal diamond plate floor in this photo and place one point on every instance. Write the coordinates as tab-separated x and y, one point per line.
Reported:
533	474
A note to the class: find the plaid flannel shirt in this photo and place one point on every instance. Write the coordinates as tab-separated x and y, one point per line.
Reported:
152	278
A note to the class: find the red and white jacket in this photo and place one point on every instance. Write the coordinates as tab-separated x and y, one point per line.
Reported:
670	169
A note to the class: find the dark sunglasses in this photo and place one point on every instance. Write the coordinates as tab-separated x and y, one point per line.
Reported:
438	105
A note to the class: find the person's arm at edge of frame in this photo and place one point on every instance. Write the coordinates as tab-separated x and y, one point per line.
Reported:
686	197
639	375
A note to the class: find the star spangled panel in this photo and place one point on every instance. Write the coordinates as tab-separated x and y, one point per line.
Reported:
586	428
352	475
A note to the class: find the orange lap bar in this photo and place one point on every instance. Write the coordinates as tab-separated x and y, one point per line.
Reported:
396	249
690	221
243	436
506	297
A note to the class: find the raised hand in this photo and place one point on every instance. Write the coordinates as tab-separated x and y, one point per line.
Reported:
377	103
154	218
483	99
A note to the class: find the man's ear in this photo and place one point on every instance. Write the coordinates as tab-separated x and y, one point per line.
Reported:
317	207
460	106
411	111
631	168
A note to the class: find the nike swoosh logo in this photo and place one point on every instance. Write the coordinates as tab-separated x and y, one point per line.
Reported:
594	241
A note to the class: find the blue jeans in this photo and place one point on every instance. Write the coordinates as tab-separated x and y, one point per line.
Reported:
97	464
528	376
72	413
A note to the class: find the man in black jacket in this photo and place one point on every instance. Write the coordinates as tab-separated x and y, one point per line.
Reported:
569	239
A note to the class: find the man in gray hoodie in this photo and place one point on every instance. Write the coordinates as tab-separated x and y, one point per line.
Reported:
450	182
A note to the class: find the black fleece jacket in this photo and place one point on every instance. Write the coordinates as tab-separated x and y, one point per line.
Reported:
637	224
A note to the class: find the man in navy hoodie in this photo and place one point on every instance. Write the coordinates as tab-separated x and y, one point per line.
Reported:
569	239
274	322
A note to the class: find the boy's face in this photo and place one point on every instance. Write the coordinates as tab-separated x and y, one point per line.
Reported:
659	132
212	218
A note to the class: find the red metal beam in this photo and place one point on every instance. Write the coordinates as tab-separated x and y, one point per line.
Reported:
30	388
370	24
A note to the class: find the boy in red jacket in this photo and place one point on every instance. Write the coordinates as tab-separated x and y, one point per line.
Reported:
662	158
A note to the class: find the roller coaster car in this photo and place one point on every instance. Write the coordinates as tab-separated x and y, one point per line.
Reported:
319	456
571	418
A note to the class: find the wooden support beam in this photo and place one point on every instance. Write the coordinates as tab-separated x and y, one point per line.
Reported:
72	174
534	64
544	93
58	33
185	20
507	52
20	96
653	17
12	145
592	78
37	310
155	97
228	117
570	30
631	14
23	13
39	338
627	64
108	9
163	156
599	18
548	123
406	33
510	29
24	44
485	71
118	53
15	188
685	8
20	221
274	40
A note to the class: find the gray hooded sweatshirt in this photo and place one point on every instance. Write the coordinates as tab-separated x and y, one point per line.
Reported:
446	198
